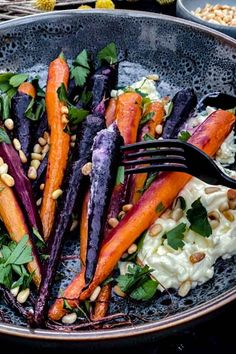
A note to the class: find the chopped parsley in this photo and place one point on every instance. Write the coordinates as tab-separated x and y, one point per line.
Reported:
108	54
147	117
175	236
80	69
184	135
197	216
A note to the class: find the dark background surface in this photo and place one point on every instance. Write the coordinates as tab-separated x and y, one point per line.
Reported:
211	335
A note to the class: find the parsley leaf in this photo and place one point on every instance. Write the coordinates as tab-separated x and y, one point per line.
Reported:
108	54
80	69
18	79
148	137
160	207
37	234
5	104
197	216
184	135
120	177
147	117
145	291
4	138
175	236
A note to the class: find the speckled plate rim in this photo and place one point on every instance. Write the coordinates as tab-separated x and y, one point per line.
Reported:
163	324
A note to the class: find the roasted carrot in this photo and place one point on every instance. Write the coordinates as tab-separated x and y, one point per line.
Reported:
84	229
58	74
208	137
137	181
28	89
14	222
110	114
102	303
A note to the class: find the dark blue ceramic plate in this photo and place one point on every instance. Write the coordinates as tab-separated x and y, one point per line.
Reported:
183	54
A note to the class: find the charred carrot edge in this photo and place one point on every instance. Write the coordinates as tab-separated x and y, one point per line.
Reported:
28	89
208	137
14	222
137	181
102	303
84	229
58	73
110	114
128	115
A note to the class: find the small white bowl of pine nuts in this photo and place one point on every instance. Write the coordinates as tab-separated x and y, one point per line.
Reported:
217	14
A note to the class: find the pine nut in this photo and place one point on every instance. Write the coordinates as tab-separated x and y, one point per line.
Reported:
45	149
210	190
42	141
95	294
74	225
73	138
32	173
177	214
8	180
127	207
46	136
69	319
87	168
155	230
22	156
23	296
113	222
197	257
214	224
9	124
232	204
184	288
124	255
228	215
64	119
176	204
35	164
15	291
3	168
64	110
39	202
1	161
153	77
231	194
121	215
166	215
118	291
37	149
132	249
56	194
159	129
72	145
224	206
35	156
41	187
17	144
213	215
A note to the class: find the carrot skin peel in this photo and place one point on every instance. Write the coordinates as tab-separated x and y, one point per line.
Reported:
14	222
110	114
28	89
208	137
58	73
102	303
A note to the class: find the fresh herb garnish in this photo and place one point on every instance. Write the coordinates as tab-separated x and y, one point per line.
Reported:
184	135
175	236
5	106
4	138
120	177
148	137
80	69
108	54
137	283
37	234
151	178
168	108
160	207
147	117
197	216
18	79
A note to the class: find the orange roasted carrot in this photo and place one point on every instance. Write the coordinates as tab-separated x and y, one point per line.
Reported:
102	303
84	229
110	113
58	74
208	137
137	181
28	89
14	221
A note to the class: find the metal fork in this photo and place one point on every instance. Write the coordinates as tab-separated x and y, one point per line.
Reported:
173	155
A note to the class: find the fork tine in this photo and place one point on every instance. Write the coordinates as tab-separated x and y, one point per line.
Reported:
153	143
157	151
155	160
158	168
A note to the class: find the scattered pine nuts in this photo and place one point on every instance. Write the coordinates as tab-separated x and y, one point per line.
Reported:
210	190
155	230
15	291
64	119
23	296
197	257
46	136
113	222
3	168
74	225
32	173
166	214
23	157
1	161
121	215
9	124
42	141
8	180
153	77
224	206
73	138
41	187
17	144
64	110
45	150
214	224
159	129
124	255
35	164
56	194
231	194
69	319
214	215
184	288
228	215
132	249
37	149
127	207
95	294
72	144
39	202
232	204
218	14
87	168
118	291
177	214
35	156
